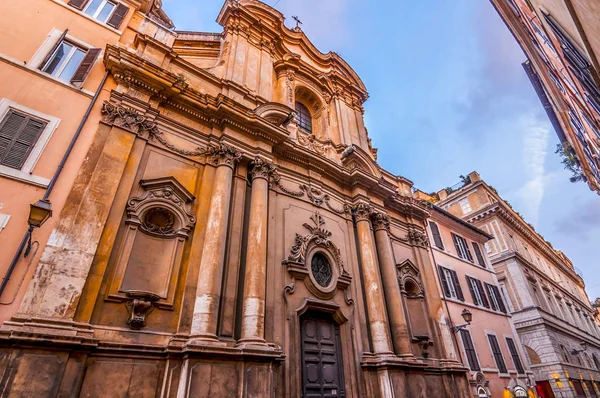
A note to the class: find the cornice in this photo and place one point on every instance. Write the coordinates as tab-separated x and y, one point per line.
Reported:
499	209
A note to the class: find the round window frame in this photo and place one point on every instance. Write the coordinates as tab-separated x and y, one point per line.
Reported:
314	286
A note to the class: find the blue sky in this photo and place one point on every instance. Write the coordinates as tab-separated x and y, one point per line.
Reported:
448	96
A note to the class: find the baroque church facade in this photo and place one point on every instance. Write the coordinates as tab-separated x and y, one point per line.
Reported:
230	233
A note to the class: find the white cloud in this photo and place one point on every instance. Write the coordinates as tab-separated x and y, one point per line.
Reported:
535	143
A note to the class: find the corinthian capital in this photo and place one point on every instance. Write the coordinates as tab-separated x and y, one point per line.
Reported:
380	221
261	168
362	211
224	155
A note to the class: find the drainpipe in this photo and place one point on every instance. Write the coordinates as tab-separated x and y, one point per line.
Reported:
50	187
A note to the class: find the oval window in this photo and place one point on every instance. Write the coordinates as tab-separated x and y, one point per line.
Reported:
321	269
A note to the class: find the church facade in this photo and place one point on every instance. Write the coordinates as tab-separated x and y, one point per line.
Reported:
231	234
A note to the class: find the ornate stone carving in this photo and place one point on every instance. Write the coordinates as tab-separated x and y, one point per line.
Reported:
417	237
261	168
140	306
362	211
125	118
380	221
289	83
318	197
224	155
156	134
310	142
163	210
318	236
409	279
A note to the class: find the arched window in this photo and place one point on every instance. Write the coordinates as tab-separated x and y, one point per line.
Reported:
564	353
303	117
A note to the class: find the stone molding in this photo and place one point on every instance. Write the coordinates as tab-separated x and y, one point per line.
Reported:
223	155
362	211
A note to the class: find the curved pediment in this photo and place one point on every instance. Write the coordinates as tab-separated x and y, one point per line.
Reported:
267	24
275	113
355	157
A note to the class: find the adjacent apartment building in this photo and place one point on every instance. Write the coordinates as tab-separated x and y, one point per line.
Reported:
543	291
53	85
561	39
489	344
221	227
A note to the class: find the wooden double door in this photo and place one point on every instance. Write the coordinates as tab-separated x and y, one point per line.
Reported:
322	367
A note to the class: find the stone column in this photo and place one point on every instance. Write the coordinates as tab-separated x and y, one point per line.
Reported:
206	306
370	270
253	300
391	288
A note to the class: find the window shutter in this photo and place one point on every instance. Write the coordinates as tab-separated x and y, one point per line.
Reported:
86	65
445	282
456	245
60	39
116	19
484	299
515	355
473	295
470	350
79	4
489	289
459	293
437	237
18	135
467	251
499	299
478	254
497	353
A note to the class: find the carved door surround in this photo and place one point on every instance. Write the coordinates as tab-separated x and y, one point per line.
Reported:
316	260
149	256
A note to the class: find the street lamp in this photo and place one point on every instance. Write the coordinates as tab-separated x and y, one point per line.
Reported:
468	317
583	345
39	213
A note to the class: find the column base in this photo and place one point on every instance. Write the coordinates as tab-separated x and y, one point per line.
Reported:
255	343
205	339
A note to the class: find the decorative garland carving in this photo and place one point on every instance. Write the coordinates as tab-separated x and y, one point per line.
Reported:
317	197
318	236
289	83
261	168
276	181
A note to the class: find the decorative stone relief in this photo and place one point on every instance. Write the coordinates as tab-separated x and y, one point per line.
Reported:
362	211
289	83
125	118
276	181
380	221
260	168
223	154
417	237
409	280
315	259
140	306
309	141
318	197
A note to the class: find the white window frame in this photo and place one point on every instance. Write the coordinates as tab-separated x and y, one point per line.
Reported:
474	286
56	74
4	220
25	173
40	55
464	203
99	10
464	247
492	296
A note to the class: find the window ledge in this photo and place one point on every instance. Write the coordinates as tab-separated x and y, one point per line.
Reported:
465	303
22	176
81	13
24	66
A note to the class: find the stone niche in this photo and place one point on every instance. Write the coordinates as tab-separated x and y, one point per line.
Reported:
150	254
